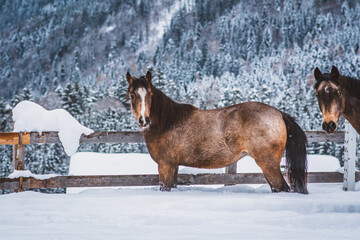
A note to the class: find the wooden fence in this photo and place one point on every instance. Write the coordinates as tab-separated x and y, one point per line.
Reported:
230	177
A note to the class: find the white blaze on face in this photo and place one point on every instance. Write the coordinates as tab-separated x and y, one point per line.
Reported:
142	93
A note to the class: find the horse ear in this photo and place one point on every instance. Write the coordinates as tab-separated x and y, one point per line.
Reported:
129	78
335	72
317	74
148	76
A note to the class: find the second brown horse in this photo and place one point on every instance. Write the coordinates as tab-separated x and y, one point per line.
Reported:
181	134
337	95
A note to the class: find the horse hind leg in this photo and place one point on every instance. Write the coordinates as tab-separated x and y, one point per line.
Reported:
270	166
275	179
167	176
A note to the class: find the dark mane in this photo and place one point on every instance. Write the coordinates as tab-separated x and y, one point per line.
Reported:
165	112
352	85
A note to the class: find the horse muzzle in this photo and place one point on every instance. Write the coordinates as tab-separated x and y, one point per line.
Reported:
144	124
329	127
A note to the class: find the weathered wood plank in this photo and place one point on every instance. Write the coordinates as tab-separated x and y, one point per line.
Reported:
153	180
96	137
113	137
9	183
93	181
321	136
13	138
328	177
45	137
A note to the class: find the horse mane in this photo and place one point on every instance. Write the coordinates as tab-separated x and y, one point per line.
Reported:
165	112
352	85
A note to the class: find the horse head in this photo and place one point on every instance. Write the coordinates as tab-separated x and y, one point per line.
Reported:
329	92
140	91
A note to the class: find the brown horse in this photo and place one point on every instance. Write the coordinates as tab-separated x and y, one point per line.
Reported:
180	134
337	95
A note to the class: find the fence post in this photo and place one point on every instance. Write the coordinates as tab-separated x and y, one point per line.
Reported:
231	169
18	159
349	157
18	154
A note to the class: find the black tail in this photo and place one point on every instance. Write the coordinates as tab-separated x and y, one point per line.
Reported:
296	159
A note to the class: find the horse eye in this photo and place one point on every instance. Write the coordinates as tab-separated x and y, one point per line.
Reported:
339	94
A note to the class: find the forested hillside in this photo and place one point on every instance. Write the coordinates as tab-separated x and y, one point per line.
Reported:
75	54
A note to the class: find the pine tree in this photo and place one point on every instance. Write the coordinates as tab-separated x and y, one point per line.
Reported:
25	95
198	30
204	52
141	61
231	97
58	161
121	92
133	43
266	44
197	58
251	44
5	115
265	94
72	100
5	150
253	95
62	74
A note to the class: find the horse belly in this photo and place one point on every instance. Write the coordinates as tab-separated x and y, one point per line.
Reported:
215	161
208	148
196	152
208	155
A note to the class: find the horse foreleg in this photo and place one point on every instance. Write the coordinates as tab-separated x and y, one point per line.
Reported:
175	177
167	175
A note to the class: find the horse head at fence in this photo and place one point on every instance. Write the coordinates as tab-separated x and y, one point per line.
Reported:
181	134
140	92
337	95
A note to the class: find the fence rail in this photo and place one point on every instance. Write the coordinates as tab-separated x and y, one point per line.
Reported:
13	138
153	180
19	140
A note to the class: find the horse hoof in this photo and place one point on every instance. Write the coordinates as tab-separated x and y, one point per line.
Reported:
164	188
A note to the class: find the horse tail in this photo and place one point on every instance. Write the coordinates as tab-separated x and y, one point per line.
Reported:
296	158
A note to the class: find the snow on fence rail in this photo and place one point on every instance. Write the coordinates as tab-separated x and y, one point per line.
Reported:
19	140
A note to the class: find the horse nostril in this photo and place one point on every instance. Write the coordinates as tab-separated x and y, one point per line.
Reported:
141	121
147	120
324	126
329	127
332	126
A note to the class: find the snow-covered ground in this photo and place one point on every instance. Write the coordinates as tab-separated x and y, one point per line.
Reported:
236	212
188	212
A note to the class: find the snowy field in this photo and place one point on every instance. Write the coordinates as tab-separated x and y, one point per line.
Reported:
232	212
236	212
